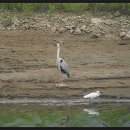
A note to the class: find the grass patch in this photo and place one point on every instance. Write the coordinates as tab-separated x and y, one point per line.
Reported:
51	7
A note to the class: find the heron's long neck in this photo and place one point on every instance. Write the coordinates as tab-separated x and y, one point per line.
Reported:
58	53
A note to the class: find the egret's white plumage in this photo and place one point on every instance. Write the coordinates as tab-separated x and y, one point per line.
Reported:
62	65
93	95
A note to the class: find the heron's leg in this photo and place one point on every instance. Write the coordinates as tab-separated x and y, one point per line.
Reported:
60	81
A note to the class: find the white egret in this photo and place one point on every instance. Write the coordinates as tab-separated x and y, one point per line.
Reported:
93	95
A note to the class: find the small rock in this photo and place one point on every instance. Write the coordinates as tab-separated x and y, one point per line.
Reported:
48	25
95	35
83	27
71	31
69	27
88	30
122	34
91	25
77	31
62	30
25	21
111	16
96	20
72	27
108	22
127	36
122	43
117	13
53	29
26	26
64	20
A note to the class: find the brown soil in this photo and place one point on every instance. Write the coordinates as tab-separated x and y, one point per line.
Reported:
28	65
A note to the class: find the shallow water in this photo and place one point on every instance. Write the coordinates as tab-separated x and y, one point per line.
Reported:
93	115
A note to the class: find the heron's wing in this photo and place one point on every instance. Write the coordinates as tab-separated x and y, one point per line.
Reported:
64	66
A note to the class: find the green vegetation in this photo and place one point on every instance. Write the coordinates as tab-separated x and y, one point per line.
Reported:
96	7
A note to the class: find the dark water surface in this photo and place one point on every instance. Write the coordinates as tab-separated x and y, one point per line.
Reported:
93	115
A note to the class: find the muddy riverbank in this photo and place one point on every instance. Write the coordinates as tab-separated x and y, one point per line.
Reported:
28	65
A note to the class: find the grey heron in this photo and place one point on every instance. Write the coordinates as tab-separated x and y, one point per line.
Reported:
61	64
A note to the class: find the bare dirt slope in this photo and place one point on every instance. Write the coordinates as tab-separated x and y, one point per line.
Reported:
28	65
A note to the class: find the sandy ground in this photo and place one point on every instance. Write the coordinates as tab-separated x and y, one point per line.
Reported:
28	65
